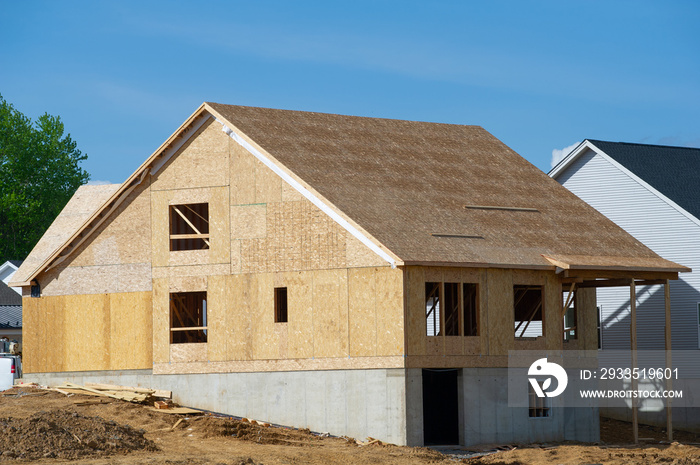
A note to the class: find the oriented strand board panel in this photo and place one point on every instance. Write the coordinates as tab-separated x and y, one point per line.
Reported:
131	331
203	161
87	332
362	312
43	334
161	321
125	237
243	186
238	316
299	236
219	331
265	344
501	320
268	186
160	233
389	308
414	290
300	334
248	221
330	294
98	279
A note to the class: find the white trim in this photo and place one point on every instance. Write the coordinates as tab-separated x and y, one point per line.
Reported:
586	144
307	194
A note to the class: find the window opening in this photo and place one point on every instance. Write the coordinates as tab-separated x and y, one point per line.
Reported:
188	317
452	309
280	305
570	316
539	407
528	311
471	322
189	226
35	290
432	308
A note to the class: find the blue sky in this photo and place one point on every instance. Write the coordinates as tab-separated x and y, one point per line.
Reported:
539	75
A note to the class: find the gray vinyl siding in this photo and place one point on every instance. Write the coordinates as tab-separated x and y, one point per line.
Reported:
660	227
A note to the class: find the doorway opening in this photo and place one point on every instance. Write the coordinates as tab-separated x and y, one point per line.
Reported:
440	407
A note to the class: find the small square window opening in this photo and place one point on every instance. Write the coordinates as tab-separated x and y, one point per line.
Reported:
189	226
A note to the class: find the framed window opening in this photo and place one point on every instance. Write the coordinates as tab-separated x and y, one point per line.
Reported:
528	310
188	317
570	316
458	302
281	310
432	309
189	226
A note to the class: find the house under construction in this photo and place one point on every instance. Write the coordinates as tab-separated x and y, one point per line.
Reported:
361	276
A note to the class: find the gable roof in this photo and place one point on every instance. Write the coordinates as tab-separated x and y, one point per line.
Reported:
673	171
414	192
407	184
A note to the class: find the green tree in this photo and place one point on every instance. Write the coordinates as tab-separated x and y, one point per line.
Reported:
39	172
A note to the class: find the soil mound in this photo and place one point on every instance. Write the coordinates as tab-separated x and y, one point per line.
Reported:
216	427
66	435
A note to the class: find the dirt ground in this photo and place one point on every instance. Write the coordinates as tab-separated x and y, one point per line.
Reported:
39	426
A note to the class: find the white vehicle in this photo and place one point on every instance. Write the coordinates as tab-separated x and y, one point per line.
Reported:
10	369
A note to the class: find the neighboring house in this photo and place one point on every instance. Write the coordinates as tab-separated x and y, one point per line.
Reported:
10	303
359	276
651	191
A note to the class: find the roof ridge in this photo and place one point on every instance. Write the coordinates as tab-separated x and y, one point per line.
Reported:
645	145
343	115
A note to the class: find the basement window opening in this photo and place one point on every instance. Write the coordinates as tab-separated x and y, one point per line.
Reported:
527	306
188	317
432	309
281	305
189	226
539	407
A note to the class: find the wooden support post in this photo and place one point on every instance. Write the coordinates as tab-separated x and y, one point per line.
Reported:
667	341
633	347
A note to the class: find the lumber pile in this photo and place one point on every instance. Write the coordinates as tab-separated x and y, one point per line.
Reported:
129	394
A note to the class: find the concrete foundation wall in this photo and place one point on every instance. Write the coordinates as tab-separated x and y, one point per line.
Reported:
356	403
487	418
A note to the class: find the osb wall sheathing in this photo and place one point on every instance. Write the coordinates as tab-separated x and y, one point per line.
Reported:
87	332
219	234
417	341
274	228
325	319
496	317
201	162
114	259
